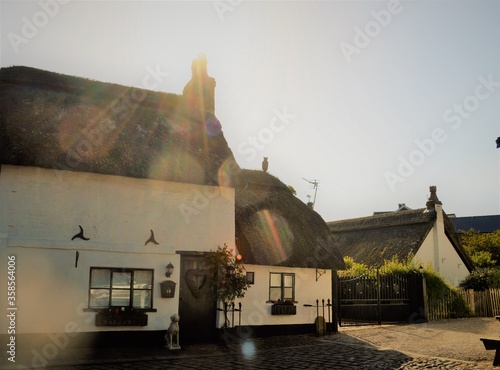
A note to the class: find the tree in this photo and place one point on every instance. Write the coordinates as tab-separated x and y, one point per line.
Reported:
228	276
483	248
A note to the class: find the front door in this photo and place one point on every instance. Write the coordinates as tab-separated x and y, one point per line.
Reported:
197	309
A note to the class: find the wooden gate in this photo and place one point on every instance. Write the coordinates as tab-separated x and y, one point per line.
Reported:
380	299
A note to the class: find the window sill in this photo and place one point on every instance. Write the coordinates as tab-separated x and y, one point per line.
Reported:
138	310
280	302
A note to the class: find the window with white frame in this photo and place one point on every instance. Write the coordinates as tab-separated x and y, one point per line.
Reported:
281	287
119	287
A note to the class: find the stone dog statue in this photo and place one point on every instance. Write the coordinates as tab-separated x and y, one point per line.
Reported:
173	331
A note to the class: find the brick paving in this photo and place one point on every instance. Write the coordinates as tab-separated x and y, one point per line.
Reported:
286	352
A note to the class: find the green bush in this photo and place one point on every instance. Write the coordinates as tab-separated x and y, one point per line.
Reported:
353	268
482	279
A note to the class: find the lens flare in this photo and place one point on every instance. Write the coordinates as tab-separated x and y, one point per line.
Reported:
86	132
228	169
178	166
213	127
277	235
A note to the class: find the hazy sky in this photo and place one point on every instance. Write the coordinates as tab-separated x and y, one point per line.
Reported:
377	100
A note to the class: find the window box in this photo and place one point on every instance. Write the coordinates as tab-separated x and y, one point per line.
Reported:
283	309
121	319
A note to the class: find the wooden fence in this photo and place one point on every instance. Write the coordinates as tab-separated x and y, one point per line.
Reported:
465	303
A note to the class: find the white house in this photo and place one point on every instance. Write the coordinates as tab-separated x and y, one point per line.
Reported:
102	187
426	233
288	248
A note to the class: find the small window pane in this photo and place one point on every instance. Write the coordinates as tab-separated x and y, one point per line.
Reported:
142	279
120	297
121	279
250	277
99	297
275	279
275	294
288	281
142	299
99	278
288	292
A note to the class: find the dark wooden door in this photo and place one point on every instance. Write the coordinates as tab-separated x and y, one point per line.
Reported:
197	309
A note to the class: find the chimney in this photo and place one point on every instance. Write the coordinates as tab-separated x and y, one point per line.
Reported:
433	199
199	92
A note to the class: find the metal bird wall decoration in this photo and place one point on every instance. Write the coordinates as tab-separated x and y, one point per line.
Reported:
80	235
151	239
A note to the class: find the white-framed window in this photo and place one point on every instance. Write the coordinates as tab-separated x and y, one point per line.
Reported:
121	287
281	286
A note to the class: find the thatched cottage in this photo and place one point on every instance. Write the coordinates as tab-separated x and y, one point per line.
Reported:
112	195
426	233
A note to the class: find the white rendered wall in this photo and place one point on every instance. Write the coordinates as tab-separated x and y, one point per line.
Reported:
256	310
440	253
41	210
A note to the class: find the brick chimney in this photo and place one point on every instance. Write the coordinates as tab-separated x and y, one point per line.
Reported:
199	92
433	199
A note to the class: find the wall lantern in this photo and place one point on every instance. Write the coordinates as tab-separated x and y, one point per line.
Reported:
170	269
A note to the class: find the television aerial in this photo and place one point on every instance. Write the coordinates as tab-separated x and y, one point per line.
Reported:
315	184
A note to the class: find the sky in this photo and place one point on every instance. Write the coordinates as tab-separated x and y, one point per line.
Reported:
374	100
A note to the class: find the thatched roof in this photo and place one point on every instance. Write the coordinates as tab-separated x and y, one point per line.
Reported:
55	121
373	239
275	228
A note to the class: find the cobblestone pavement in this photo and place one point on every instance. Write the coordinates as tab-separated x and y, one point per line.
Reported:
287	352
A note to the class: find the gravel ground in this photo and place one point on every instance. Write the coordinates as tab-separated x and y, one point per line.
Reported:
457	339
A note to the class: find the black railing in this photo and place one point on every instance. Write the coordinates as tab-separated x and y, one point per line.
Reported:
231	308
323	326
